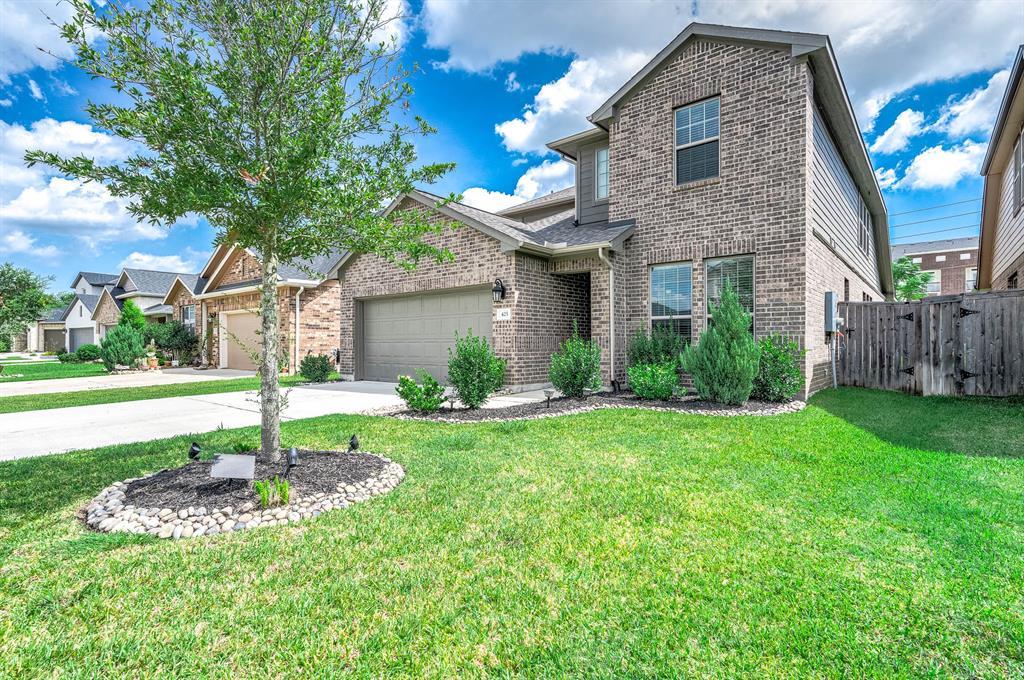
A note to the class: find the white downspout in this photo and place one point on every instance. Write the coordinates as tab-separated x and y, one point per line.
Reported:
611	311
298	327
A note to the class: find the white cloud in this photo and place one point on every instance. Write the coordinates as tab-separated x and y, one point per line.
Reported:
6	102
162	263
537	181
17	241
886	177
396	14
62	87
520	161
33	89
908	124
511	84
24	29
883	48
975	112
940	168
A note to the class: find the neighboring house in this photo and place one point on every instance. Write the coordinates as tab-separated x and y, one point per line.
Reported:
78	322
733	155
46	334
147	288
51	333
222	303
93	283
1002	217
953	263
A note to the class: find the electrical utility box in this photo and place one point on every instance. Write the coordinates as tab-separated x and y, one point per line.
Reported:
832	319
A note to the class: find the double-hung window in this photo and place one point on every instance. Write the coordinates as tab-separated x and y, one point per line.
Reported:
672	298
934	286
738	272
188	317
697	127
1018	167
865	227
601	174
970	279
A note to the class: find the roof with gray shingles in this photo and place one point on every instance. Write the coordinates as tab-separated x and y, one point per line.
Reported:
97	278
151	282
55	315
902	249
158	309
315	268
563	196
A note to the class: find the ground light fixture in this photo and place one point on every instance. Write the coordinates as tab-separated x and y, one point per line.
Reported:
548	394
498	291
292	461
194	451
353	444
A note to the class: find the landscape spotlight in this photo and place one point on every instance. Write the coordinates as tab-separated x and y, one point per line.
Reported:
194	451
353	444
293	457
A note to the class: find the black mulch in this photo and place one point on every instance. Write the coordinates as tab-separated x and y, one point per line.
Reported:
192	486
568	404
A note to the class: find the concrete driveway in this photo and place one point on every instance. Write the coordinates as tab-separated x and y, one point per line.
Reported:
166	376
37	433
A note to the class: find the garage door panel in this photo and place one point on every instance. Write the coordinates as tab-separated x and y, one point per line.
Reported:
243	336
403	334
80	336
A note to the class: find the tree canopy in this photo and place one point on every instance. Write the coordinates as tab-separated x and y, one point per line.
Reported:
23	299
908	280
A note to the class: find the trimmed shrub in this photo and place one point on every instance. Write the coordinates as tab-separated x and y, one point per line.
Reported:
474	371
662	346
132	316
66	357
576	366
122	346
88	352
778	372
315	367
723	364
653	381
426	397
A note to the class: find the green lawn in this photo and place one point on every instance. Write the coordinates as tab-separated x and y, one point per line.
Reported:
40	402
49	371
614	544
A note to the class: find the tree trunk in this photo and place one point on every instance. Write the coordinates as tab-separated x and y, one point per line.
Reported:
270	396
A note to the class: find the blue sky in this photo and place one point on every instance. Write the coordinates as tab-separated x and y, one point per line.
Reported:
500	78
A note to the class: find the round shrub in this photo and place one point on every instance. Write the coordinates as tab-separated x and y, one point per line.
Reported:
426	397
474	371
576	366
66	357
315	367
653	381
122	346
778	372
88	352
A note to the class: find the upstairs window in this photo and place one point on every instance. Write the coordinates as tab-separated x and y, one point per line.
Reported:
865	227
601	173
934	285
697	127
970	279
1018	165
672	298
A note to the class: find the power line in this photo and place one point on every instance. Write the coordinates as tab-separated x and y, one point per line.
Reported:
933	219
937	231
934	207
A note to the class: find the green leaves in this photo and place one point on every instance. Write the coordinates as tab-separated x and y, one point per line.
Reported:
23	298
910	282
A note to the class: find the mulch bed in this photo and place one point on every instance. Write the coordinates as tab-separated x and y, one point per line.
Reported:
567	405
191	485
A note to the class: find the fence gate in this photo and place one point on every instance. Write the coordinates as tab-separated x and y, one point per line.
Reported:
953	344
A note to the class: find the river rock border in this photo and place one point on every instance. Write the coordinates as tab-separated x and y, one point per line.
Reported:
107	512
401	413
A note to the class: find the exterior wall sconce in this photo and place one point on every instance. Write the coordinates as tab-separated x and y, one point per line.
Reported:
498	291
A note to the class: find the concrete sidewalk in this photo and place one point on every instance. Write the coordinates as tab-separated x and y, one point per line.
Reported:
167	376
36	433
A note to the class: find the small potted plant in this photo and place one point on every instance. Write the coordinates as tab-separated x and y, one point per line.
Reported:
151	359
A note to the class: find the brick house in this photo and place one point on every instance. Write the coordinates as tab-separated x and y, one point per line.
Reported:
1001	257
733	155
222	302
146	288
952	262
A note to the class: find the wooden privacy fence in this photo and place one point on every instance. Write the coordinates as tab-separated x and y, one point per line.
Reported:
954	344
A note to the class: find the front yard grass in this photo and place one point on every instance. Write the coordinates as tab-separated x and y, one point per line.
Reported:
40	402
611	544
48	371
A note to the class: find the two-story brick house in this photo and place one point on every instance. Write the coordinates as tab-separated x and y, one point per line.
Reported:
952	262
733	155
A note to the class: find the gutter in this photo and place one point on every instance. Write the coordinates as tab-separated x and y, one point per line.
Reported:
251	289
298	326
611	312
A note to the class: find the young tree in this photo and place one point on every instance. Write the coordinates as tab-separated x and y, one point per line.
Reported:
23	298
132	316
909	281
284	123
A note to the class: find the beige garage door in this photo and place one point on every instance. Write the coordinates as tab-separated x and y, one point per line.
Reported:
405	333
242	338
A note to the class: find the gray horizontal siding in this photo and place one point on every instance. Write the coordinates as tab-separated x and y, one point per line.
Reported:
1009	228
835	203
590	210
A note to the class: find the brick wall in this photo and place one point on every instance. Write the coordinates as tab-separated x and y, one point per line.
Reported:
756	206
953	276
1002	279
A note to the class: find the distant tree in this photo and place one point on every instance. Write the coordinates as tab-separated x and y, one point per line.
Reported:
277	121
62	299
132	316
23	299
910	282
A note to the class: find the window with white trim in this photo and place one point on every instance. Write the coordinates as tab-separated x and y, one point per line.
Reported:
965	256
672	298
738	271
601	174
934	287
865	227
188	317
970	279
697	128
1018	166
940	258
